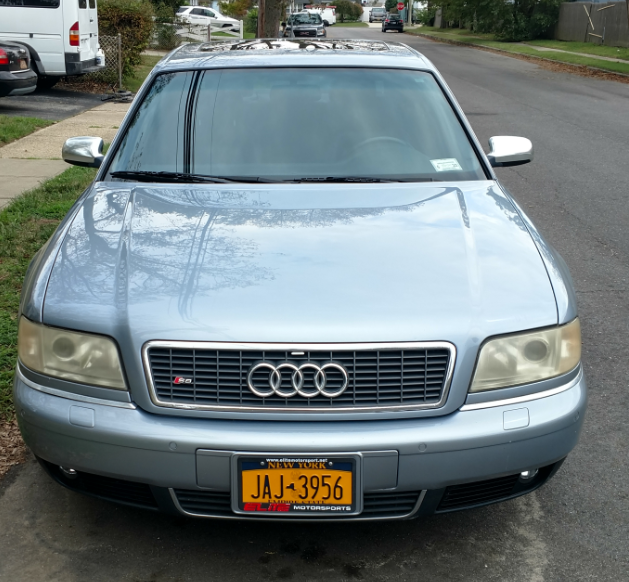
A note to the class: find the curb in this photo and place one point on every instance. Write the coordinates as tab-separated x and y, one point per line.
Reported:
517	55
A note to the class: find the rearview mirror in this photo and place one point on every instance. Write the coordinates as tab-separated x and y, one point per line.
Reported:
83	151
509	150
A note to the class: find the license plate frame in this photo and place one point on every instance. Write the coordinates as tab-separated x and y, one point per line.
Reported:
259	463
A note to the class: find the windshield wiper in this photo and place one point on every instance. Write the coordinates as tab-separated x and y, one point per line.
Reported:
356	179
181	178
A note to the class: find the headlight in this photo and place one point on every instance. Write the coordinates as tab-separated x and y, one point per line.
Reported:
70	355
528	357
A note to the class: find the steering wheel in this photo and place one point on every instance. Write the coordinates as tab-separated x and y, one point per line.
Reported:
384	140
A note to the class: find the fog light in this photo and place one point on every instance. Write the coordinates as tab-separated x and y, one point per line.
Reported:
528	475
69	473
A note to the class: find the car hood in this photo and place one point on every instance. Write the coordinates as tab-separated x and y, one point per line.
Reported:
299	263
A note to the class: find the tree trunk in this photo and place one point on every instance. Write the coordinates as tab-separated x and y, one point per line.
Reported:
269	15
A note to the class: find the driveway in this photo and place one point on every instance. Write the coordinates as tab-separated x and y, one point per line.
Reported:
53	104
574	528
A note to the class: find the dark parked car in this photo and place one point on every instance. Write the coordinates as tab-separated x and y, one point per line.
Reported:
393	22
16	75
378	14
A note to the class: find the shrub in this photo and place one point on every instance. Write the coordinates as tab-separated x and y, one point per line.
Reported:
236	8
133	19
251	21
528	20
426	16
346	10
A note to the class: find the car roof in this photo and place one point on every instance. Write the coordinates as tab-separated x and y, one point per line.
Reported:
294	52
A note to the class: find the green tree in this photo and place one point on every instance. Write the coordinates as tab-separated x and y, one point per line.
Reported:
389	5
235	8
348	10
133	19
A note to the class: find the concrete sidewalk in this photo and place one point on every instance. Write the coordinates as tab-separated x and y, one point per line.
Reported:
27	162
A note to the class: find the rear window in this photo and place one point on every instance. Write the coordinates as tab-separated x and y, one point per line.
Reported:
306	19
378	11
182	9
290	123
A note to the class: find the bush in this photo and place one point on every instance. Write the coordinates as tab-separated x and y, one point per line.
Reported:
528	20
426	16
133	19
346	10
235	8
251	21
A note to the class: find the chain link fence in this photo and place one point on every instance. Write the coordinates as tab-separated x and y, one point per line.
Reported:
110	74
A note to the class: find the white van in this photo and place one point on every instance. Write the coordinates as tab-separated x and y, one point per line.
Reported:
61	35
327	13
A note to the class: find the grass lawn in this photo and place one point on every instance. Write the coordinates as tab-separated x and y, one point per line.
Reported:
486	40
12	128
584	47
344	24
25	225
133	82
245	35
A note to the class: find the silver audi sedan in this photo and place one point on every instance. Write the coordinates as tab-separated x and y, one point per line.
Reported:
274	302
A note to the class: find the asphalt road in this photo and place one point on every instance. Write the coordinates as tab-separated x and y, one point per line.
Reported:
575	528
54	104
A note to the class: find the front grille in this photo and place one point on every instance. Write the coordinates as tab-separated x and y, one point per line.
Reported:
212	503
119	490
409	376
478	493
389	504
204	502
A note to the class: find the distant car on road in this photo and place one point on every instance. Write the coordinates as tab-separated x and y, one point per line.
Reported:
206	16
16	75
328	13
393	22
305	24
377	14
61	36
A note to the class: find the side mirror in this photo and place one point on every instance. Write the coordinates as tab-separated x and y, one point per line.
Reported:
283	25
83	151
508	150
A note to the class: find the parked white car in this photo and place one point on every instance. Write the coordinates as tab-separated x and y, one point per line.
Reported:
201	15
61	36
327	13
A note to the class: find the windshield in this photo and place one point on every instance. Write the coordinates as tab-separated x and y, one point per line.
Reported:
290	123
306	19
378	11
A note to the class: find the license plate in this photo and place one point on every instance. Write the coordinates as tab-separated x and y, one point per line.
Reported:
23	64
297	485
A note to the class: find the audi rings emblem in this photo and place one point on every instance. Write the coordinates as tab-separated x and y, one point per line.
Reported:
320	380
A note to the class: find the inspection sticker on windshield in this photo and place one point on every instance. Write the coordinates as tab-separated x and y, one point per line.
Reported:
446	165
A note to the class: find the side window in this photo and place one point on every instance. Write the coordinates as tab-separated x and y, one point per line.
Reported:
197	12
210	13
31	3
154	139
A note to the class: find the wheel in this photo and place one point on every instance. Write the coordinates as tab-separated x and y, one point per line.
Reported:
44	83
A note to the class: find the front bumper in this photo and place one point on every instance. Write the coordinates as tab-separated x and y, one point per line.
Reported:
188	457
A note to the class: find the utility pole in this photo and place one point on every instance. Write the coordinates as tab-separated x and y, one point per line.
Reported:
261	11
